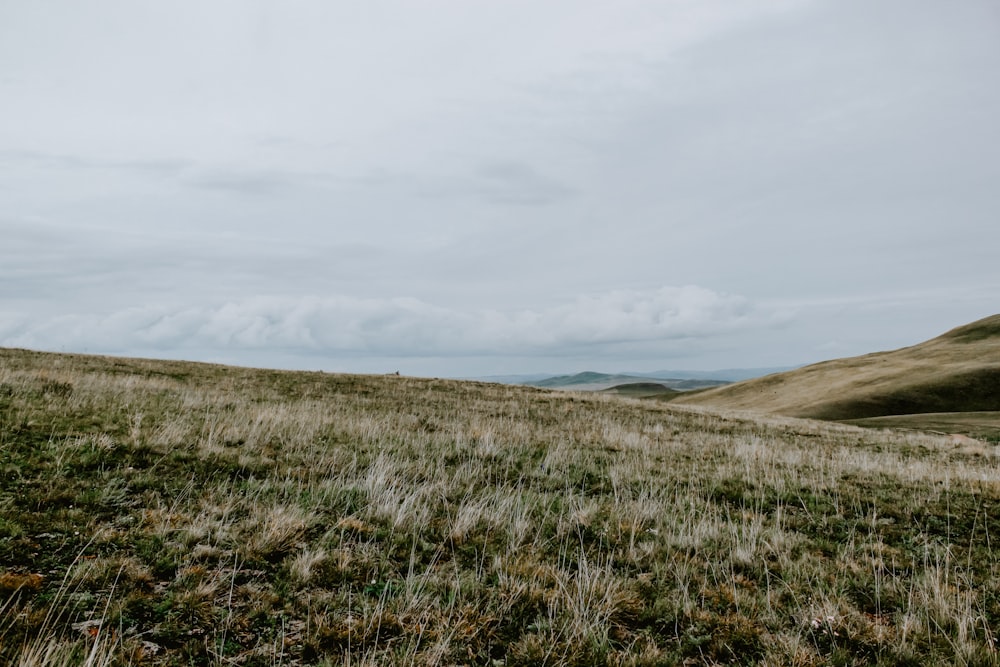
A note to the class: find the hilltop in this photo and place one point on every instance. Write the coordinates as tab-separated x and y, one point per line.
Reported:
957	372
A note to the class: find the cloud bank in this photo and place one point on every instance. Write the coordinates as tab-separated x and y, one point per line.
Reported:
388	327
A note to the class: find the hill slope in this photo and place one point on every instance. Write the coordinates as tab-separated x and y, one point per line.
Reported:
956	372
158	514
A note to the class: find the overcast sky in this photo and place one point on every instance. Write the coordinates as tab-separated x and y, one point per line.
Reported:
460	187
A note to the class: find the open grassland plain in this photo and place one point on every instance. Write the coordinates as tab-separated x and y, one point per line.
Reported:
166	513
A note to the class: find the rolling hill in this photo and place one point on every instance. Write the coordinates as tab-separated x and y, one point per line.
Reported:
957	372
655	390
591	381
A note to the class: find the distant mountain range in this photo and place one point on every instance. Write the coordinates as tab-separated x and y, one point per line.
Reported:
592	381
723	375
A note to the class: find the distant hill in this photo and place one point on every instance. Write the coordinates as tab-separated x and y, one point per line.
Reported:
591	381
723	374
958	371
524	378
674	378
655	390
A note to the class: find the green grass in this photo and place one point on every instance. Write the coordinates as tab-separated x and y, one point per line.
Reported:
166	513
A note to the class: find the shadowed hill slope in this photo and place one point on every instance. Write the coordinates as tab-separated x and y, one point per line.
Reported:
644	390
958	371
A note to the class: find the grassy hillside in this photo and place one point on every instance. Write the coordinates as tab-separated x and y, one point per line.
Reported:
956	372
164	513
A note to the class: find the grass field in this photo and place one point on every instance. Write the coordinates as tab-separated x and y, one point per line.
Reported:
981	425
166	513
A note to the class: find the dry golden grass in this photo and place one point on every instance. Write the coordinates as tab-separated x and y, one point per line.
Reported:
164	513
956	372
977	425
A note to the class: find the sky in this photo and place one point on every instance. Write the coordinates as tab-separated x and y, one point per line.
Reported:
464	188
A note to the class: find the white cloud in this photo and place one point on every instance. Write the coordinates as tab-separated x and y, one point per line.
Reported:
398	326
